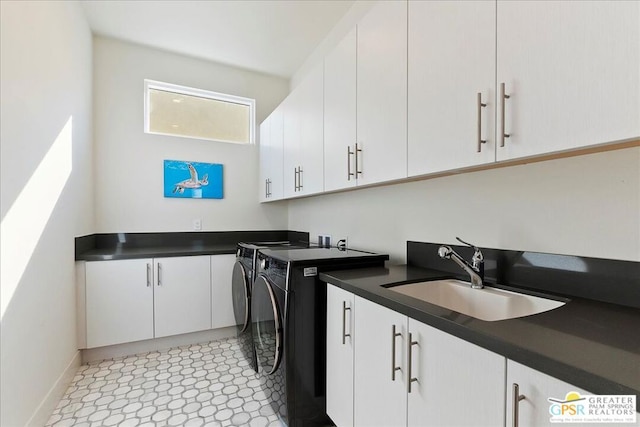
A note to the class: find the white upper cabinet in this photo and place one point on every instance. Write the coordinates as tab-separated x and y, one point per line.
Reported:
571	70
340	115
303	137
451	62
291	144
382	93
271	152
266	163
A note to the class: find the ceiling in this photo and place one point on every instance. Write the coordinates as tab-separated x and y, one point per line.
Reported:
269	36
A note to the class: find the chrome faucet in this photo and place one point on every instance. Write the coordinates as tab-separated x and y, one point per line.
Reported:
475	270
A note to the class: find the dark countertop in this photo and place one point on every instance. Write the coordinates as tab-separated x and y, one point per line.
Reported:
117	246
105	254
592	345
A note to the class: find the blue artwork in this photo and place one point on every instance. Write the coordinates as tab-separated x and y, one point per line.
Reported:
192	180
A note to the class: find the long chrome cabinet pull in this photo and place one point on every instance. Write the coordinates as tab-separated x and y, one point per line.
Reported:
266	188
394	368
349	154
159	274
358	150
344	322
269	187
300	178
480	105
503	101
148	275
517	397
295	179
410	379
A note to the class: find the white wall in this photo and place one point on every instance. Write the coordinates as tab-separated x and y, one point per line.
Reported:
46	197
129	163
588	205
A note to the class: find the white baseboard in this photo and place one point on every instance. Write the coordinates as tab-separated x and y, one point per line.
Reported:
56	392
157	344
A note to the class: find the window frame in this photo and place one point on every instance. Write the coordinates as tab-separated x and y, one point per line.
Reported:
201	93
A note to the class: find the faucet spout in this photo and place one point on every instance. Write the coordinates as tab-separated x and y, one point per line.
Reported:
475	270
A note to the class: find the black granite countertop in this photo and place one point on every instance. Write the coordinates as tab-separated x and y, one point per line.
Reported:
592	345
105	254
117	246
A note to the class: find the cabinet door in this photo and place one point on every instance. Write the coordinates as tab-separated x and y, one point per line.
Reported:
533	410
271	152
382	93
571	70
451	372
340	115
119	301
275	155
311	153
221	291
452	48
266	166
182	296
291	143
340	338
379	400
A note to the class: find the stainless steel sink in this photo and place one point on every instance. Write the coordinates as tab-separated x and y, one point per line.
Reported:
488	304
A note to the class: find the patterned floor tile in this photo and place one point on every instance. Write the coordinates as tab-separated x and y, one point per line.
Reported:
199	385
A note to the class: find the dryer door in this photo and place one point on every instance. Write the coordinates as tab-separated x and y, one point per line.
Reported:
241	289
267	324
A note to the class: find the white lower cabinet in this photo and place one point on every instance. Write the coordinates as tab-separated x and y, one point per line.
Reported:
119	301
536	388
457	383
221	295
133	300
454	382
340	336
380	400
182	295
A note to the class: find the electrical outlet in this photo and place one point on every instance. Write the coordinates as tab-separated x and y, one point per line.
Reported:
343	243
197	224
324	240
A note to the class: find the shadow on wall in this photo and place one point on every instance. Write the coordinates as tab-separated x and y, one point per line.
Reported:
25	221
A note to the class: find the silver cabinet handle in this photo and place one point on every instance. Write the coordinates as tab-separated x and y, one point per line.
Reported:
159	274
349	154
503	101
269	187
517	397
266	188
410	379
480	105
394	368
148	275
300	177
357	150
344	322
295	179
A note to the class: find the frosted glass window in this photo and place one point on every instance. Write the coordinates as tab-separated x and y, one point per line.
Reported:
195	113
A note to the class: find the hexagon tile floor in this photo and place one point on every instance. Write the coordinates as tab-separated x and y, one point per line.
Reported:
198	385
